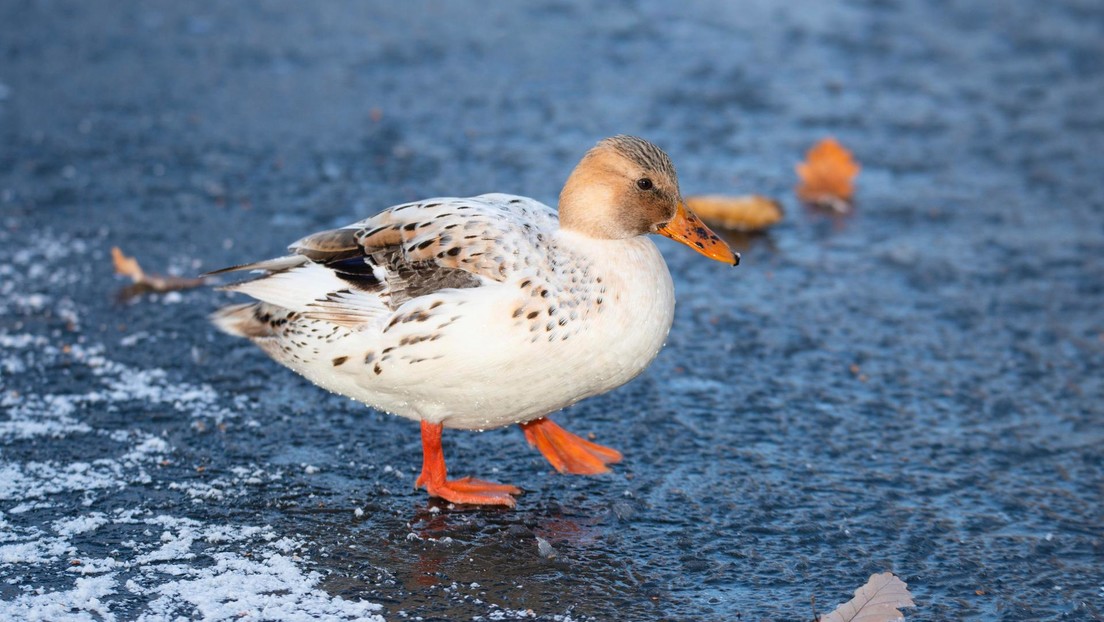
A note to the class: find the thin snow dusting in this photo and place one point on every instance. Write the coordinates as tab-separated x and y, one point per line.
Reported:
271	588
82	535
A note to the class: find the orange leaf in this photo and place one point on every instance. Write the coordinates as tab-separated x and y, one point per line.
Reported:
828	175
743	213
126	266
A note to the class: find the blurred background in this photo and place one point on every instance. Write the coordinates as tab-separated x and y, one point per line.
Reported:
913	386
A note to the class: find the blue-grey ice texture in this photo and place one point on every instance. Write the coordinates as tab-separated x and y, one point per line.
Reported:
914	388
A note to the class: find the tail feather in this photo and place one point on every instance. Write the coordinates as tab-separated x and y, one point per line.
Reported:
276	264
252	320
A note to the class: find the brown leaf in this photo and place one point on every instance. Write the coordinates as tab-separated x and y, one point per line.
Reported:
877	601
828	176
743	213
143	283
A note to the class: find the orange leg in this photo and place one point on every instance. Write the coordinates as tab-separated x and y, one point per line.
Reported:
465	490
567	452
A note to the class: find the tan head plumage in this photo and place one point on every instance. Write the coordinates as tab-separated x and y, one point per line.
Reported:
623	187
626	186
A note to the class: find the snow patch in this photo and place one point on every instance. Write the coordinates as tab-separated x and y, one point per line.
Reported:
83	602
273	588
81	524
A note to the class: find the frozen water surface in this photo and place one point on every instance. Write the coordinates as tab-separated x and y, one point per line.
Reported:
913	388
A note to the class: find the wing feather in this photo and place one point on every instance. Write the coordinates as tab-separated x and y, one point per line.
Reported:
358	273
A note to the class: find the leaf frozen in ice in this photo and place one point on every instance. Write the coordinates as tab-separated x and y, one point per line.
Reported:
742	213
877	601
828	176
145	282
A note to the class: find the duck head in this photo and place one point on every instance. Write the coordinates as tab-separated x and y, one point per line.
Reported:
626	186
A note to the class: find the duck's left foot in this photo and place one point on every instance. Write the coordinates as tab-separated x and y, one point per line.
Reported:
567	452
466	490
471	491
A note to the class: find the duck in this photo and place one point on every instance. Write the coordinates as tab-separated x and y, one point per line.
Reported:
483	312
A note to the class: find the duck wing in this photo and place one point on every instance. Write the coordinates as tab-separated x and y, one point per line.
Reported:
362	272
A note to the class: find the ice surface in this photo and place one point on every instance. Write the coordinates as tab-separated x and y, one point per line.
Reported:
145	459
178	566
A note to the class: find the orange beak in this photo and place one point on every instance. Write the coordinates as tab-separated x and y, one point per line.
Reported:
687	228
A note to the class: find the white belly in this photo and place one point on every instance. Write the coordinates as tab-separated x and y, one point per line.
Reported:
489	368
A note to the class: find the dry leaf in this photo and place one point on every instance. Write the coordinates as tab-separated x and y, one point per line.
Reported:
744	213
143	283
877	601
126	266
828	176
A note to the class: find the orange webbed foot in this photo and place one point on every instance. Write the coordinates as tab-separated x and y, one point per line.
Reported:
472	491
465	490
567	452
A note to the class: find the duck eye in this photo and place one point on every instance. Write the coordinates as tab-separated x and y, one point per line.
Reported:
644	183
